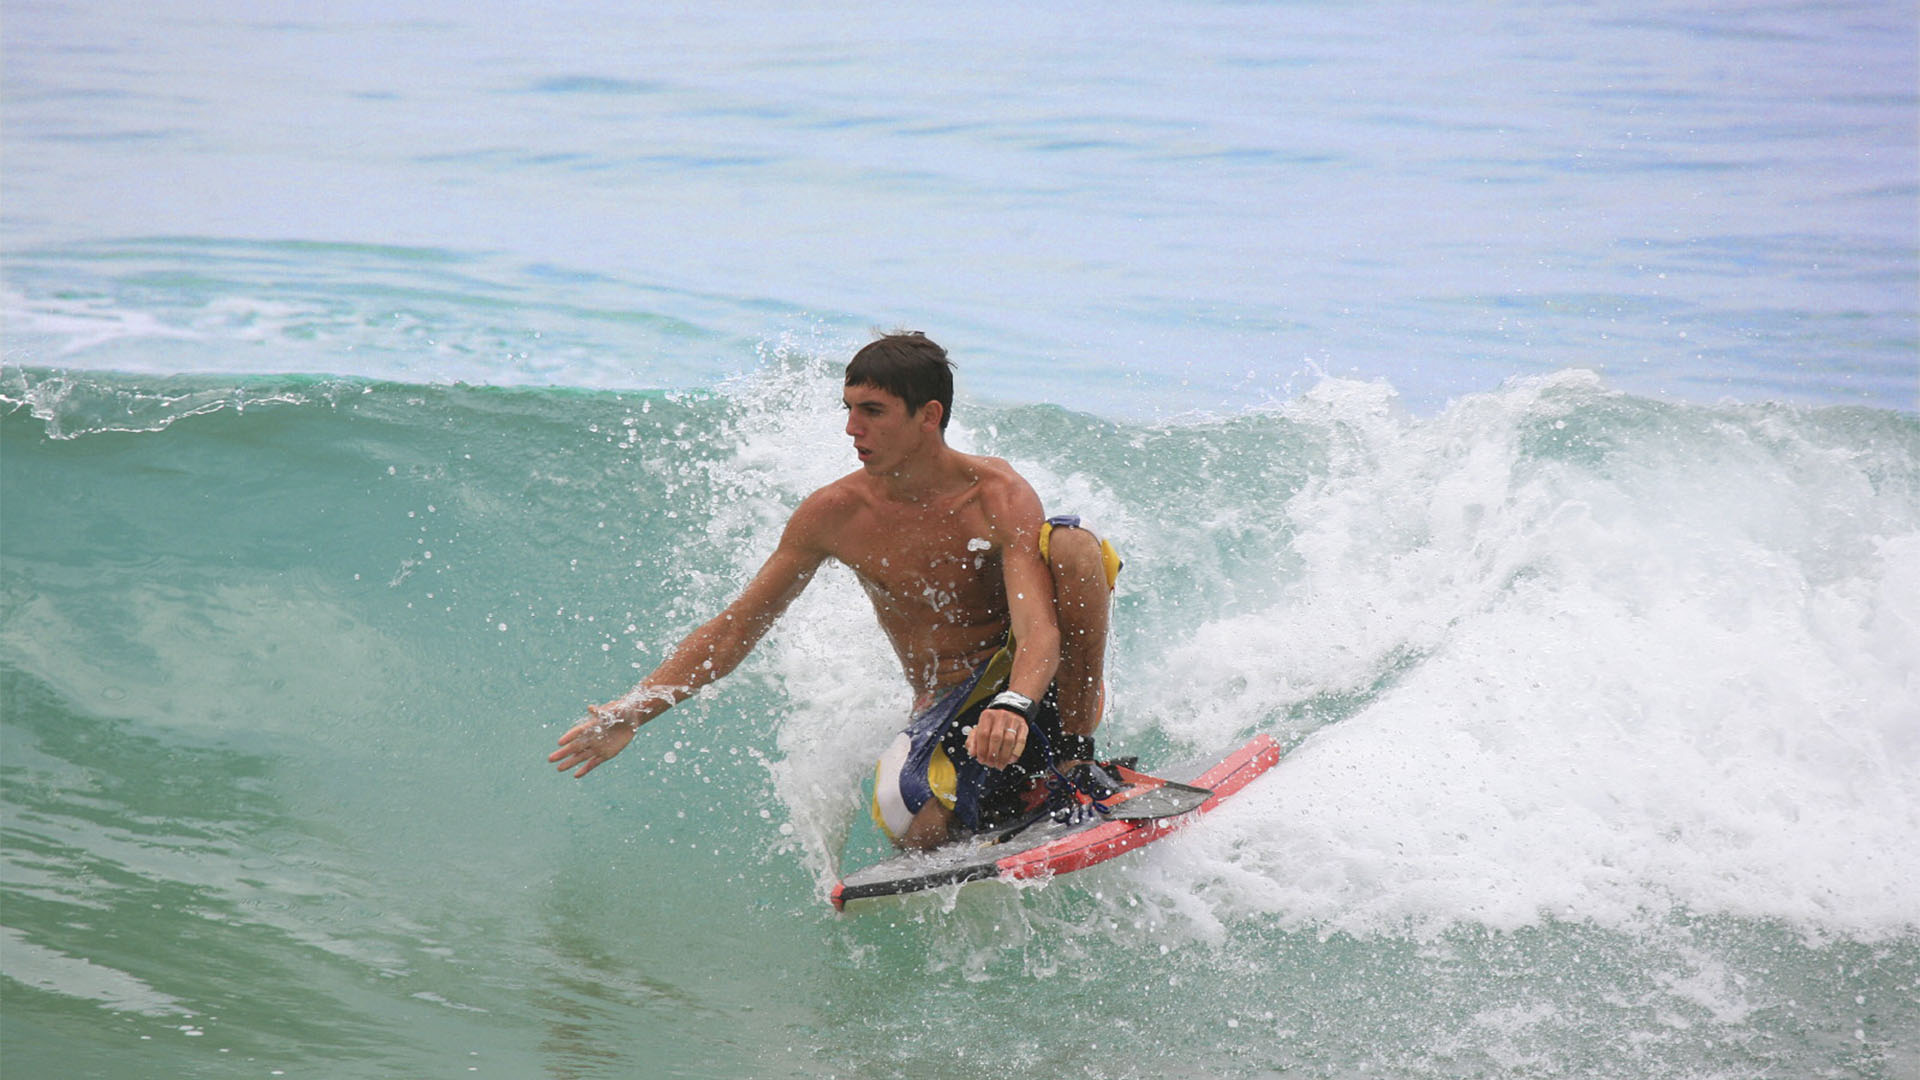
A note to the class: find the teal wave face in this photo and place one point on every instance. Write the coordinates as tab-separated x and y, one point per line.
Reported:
1592	704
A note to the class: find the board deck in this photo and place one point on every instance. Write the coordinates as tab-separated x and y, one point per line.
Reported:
1148	808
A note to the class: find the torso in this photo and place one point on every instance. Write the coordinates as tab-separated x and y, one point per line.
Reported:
932	569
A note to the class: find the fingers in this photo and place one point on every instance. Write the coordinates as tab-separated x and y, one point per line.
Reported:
587	760
998	738
1013	741
572	734
579	747
571	756
569	742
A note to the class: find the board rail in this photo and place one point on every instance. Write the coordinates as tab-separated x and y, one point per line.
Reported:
1077	849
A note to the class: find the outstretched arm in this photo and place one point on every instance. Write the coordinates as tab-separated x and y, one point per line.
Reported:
707	654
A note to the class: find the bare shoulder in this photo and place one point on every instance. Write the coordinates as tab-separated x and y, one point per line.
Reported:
998	477
824	515
1010	502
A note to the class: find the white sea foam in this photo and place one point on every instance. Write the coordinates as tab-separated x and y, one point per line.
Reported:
1681	674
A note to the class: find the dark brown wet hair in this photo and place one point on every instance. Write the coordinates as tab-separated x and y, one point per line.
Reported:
909	366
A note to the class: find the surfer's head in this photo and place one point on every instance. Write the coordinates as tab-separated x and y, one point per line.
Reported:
909	366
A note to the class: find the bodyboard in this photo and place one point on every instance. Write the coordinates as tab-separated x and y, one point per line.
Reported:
1146	809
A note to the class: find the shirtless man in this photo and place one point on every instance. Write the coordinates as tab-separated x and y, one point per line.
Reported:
998	641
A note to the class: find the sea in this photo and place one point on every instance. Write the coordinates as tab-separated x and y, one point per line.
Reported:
1511	408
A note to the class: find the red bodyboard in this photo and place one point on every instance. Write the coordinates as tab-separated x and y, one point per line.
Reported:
1048	848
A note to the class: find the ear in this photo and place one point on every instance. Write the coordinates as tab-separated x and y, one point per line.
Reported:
930	414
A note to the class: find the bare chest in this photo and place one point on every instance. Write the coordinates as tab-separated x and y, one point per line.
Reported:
933	563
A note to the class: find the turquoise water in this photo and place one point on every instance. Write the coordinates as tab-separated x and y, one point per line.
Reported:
1515	411
1600	716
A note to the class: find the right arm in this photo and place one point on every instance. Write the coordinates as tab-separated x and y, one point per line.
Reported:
706	655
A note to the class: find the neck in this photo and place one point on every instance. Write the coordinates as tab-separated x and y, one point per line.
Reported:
923	476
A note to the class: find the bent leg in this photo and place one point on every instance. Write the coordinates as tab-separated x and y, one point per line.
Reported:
931	827
1080	599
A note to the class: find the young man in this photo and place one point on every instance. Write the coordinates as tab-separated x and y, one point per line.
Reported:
998	616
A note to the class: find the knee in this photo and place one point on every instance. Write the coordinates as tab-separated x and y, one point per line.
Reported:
1080	581
1073	551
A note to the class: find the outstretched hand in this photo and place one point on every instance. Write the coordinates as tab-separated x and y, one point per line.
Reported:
592	741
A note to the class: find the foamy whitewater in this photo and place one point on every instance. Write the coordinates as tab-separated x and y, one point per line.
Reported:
1511	412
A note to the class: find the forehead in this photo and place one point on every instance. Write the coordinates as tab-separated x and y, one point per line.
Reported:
869	395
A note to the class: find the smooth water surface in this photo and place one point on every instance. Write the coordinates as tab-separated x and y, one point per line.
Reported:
1135	210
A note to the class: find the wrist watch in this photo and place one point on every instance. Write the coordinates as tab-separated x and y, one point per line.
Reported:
1013	702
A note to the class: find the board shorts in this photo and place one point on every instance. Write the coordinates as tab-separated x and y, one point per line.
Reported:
929	759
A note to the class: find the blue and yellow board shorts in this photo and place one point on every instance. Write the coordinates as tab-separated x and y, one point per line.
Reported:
929	759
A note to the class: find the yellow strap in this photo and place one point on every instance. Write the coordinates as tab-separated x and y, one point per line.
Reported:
993	679
1109	558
